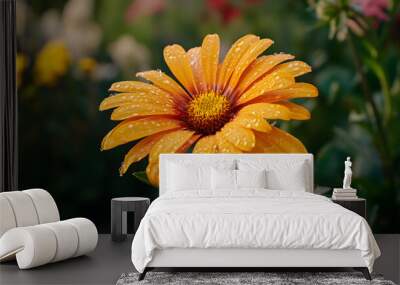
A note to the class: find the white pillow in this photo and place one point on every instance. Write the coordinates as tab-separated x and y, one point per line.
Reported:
181	178
193	175
251	178
296	180
289	175
223	179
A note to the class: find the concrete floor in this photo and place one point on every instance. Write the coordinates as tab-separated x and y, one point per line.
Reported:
103	266
110	260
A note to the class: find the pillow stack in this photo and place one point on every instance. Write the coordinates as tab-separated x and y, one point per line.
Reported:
231	175
238	179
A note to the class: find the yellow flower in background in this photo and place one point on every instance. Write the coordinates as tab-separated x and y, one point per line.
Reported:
217	107
51	63
21	63
87	65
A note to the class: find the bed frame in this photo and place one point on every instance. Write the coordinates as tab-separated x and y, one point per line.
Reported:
233	259
249	259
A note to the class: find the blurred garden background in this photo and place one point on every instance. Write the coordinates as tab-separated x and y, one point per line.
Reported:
69	53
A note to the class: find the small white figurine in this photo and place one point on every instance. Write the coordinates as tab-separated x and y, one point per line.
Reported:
347	174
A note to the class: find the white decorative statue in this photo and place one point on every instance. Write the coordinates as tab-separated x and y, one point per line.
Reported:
347	174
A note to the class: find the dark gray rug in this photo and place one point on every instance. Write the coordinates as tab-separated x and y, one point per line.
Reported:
232	278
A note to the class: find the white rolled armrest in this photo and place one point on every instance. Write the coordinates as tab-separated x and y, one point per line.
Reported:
23	208
40	244
26	208
45	205
87	234
7	219
33	246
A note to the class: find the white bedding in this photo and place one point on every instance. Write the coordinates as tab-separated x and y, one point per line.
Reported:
251	218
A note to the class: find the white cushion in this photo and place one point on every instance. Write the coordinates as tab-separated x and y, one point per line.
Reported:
67	237
23	208
87	234
251	178
230	180
45	205
34	244
260	161
31	246
7	218
40	244
223	179
288	175
185	175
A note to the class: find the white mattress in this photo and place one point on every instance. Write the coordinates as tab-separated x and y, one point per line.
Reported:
253	218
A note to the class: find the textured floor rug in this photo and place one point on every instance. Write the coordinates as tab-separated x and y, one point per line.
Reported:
243	278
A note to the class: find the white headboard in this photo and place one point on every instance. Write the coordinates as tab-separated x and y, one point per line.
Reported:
210	158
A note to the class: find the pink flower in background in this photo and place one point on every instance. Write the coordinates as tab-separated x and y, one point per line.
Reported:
143	8
225	9
374	8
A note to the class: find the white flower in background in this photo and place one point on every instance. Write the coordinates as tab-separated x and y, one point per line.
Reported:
50	25
82	35
128	54
75	28
77	12
105	71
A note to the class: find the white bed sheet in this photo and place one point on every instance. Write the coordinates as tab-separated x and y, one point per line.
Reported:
251	218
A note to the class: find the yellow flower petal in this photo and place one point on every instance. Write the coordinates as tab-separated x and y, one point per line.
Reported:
135	98
169	143
252	122
188	143
141	109
232	58
206	144
259	68
194	55
297	112
140	151
272	81
131	130
267	111
251	54
240	137
297	90
164	82
225	146
209	59
277	141
178	62
264	144
133	86
295	68
152	172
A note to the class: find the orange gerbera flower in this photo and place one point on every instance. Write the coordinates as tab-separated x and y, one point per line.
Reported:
218	108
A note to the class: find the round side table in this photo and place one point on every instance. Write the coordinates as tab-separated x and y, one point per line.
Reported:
119	209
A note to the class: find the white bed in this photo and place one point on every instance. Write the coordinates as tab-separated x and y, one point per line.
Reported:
249	227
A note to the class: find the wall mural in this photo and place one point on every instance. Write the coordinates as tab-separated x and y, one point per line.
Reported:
227	107
69	52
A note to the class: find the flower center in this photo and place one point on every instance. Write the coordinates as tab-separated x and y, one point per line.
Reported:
208	112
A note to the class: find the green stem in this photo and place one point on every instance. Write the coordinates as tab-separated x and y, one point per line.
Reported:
379	72
388	98
373	112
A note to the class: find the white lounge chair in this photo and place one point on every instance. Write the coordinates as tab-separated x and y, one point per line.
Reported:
31	230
